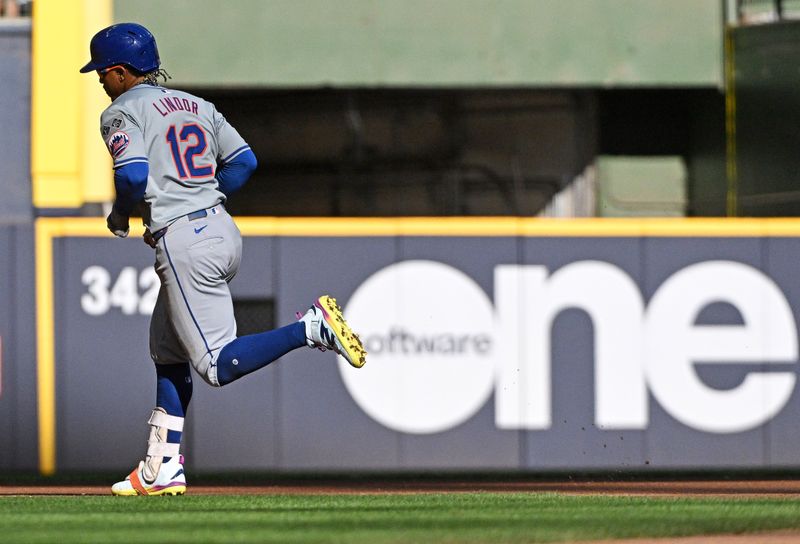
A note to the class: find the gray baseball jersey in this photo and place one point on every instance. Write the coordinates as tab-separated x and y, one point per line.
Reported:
182	137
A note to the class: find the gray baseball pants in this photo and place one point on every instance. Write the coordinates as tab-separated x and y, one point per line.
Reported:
196	257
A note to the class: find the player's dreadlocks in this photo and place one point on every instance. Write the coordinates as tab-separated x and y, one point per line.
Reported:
151	78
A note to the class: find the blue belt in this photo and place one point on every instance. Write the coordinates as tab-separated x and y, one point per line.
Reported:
199	214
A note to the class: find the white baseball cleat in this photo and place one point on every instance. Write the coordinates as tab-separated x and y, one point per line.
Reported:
170	480
327	329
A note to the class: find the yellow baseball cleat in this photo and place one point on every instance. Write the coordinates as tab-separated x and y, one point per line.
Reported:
326	328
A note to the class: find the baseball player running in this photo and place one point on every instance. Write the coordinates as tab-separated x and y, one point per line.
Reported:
179	155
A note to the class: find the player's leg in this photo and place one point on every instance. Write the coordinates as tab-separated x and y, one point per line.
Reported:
173	372
323	326
173	394
161	471
194	262
246	354
195	265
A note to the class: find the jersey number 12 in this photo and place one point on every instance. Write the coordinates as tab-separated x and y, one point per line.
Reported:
185	145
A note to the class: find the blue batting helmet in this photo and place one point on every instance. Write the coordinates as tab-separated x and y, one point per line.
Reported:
125	43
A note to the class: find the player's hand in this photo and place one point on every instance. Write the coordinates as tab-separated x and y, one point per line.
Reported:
148	238
118	224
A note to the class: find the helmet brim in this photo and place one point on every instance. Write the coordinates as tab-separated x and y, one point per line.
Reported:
91	66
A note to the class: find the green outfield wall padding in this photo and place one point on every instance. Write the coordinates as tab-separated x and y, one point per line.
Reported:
441	43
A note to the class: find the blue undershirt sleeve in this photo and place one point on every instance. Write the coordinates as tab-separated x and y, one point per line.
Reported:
233	174
130	182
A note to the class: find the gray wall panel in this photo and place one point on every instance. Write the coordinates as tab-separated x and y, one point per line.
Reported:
476	443
7	370
669	442
321	426
23	348
782	443
18	415
245	411
574	441
234	427
15	115
662	257
256	276
106	381
672	445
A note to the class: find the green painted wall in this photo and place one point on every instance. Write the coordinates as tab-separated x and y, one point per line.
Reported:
435	42
641	186
767	117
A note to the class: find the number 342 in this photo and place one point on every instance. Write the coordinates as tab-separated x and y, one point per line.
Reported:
101	295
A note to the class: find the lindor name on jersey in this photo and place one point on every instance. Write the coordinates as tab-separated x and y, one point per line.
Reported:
167	105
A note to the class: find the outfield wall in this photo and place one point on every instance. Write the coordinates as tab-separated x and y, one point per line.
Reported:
18	438
495	344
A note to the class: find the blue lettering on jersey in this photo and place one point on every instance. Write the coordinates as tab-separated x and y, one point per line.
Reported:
167	105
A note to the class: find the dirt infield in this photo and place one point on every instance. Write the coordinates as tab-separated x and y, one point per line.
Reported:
772	538
744	489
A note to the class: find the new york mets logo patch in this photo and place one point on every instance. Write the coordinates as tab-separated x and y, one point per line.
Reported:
117	143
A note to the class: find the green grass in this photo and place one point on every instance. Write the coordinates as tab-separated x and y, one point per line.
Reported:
469	517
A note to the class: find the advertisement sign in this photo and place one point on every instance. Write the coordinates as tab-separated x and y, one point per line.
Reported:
514	345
